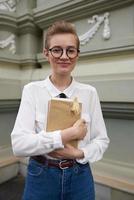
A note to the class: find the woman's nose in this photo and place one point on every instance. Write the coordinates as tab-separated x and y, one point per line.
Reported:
64	54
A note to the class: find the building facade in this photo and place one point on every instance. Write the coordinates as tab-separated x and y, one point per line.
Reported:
106	32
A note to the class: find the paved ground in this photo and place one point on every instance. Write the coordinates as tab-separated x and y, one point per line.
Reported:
12	190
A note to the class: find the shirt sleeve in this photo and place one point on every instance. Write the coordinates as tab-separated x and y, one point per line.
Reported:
25	142
94	150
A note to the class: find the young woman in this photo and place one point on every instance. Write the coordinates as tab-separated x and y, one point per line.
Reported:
56	170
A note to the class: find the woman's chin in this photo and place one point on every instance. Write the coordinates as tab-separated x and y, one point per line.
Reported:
64	70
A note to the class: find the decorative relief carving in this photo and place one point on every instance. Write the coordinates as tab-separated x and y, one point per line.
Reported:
10	41
8	5
96	21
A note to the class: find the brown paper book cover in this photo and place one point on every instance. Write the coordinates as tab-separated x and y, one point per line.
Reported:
60	115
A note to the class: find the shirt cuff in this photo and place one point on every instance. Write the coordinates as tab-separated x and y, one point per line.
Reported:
57	141
54	139
83	160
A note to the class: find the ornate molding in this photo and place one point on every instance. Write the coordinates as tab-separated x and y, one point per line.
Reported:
10	41
18	24
74	10
8	5
26	24
8	21
96	21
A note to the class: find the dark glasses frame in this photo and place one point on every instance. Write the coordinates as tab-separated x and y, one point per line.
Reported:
62	50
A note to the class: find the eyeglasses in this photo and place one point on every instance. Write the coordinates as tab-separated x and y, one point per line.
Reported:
71	52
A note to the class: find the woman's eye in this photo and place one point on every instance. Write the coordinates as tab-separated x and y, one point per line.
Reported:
71	50
56	50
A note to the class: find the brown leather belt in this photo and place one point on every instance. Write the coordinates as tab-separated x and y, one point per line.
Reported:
62	164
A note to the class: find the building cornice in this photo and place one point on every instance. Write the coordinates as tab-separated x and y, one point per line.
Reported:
9	58
42	17
19	25
26	24
21	60
118	110
74	10
8	21
28	61
108	52
24	60
9	105
98	53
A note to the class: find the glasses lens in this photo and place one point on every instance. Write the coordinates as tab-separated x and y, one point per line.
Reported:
56	52
72	52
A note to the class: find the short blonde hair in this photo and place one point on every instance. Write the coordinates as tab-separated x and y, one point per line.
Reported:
61	27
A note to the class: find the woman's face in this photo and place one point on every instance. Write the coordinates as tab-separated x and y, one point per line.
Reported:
62	65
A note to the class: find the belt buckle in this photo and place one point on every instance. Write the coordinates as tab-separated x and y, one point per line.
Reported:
60	164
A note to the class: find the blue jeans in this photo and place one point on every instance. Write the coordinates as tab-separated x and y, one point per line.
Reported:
53	183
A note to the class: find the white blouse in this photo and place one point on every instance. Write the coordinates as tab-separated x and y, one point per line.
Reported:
29	136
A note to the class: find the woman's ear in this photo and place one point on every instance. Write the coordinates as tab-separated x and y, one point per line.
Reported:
45	52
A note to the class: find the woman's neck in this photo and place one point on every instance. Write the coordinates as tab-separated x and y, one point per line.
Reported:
61	83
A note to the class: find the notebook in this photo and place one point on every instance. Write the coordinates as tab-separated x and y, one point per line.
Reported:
62	114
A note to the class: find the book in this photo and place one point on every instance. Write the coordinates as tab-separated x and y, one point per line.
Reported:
62	114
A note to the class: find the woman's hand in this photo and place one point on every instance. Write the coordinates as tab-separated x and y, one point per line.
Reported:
76	132
69	152
80	127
